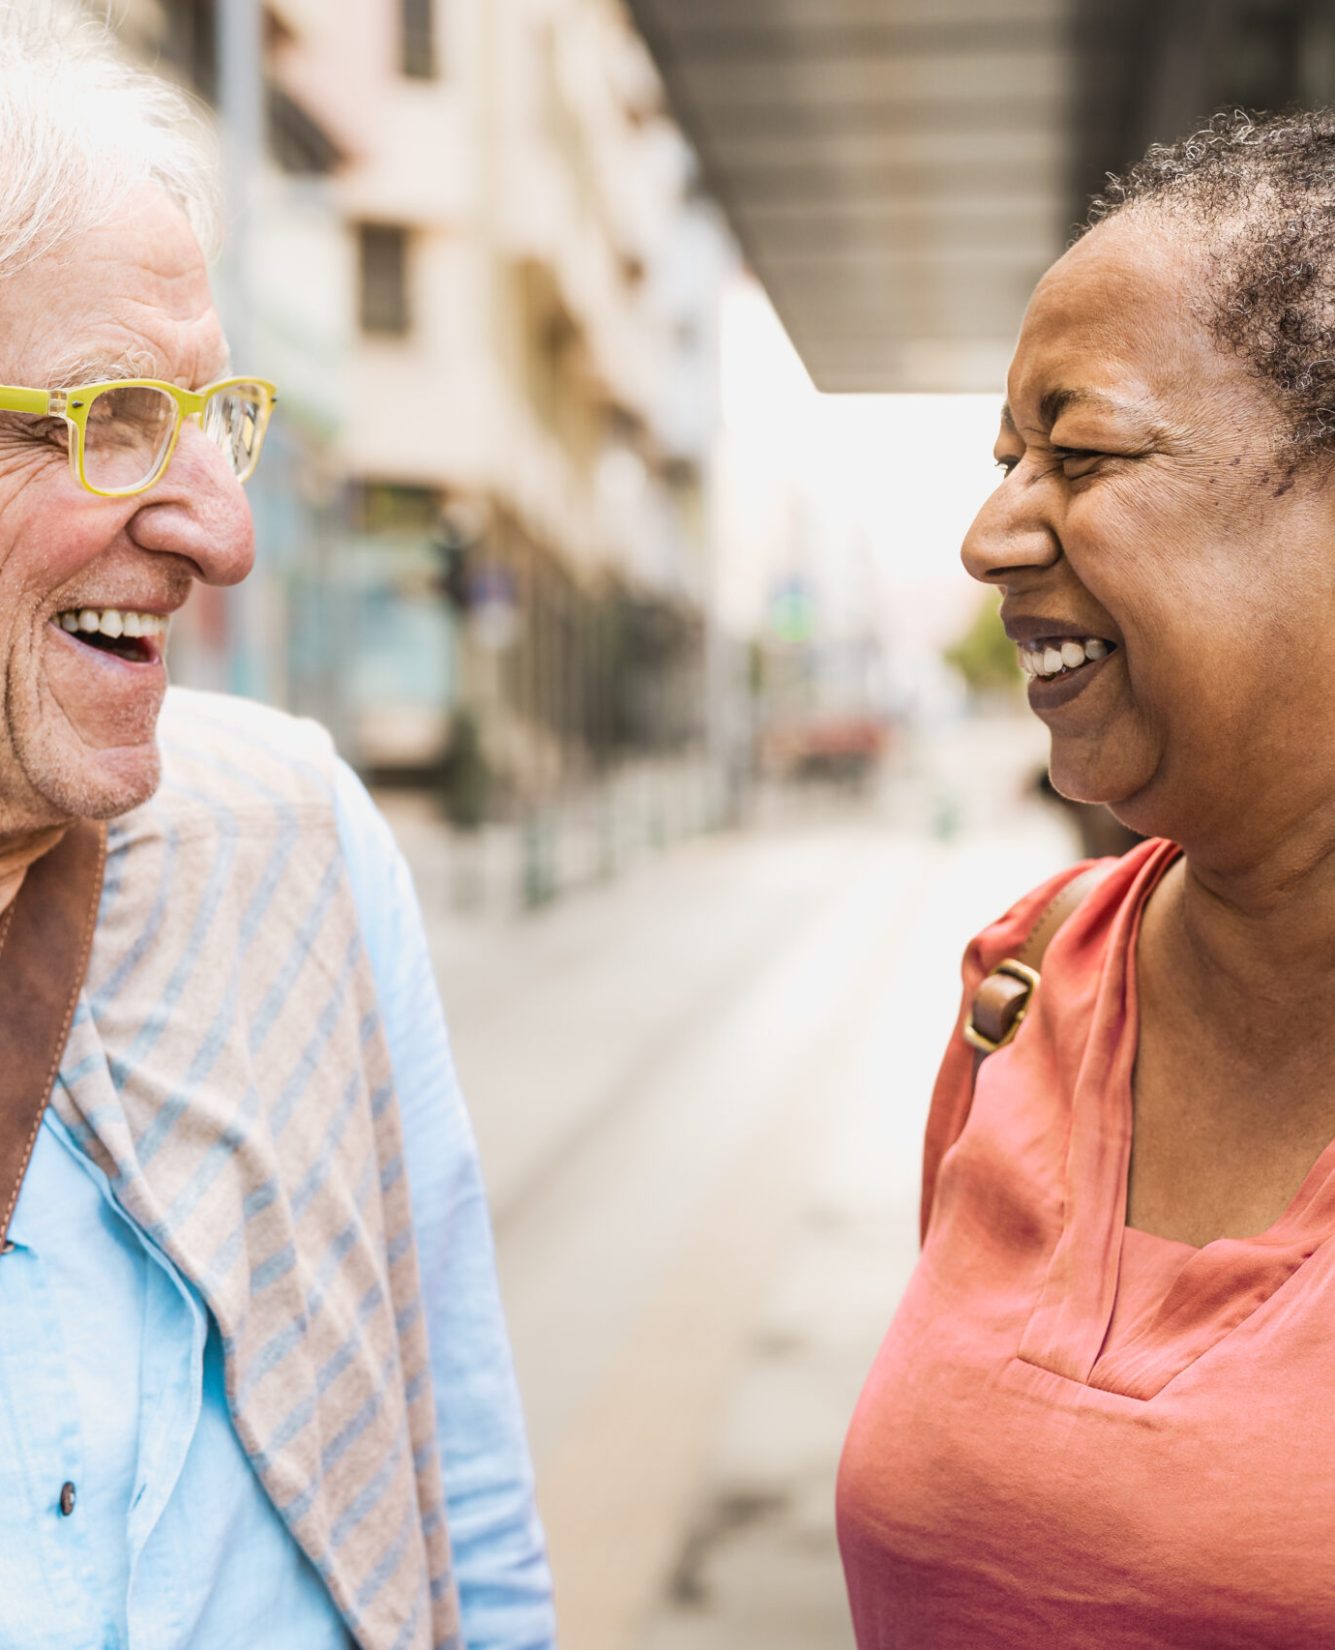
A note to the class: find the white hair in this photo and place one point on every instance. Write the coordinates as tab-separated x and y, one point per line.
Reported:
81	128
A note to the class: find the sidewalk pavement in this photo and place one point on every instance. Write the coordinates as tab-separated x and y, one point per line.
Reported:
699	1093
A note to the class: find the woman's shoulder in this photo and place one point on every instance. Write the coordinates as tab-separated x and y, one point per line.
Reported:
1111	884
1071	968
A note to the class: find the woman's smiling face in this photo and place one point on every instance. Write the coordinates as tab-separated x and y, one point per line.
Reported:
1148	505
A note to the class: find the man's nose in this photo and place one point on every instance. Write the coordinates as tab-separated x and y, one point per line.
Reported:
198	511
1010	535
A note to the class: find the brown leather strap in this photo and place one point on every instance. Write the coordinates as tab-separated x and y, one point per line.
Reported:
997	1005
45	938
1004	994
1062	905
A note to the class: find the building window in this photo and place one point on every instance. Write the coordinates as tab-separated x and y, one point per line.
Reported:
299	144
397	507
418	38
384	279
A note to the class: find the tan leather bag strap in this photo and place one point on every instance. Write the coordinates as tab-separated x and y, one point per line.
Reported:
1004	996
46	935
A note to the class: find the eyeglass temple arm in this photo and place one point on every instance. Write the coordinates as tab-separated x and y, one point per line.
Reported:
15	399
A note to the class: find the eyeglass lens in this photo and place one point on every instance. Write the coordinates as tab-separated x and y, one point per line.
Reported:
234	419
126	437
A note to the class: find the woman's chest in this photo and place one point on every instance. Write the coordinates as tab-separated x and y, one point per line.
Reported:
1076	1432
988	1501
1218	1149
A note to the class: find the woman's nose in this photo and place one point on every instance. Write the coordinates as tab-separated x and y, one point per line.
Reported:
1010	535
199	511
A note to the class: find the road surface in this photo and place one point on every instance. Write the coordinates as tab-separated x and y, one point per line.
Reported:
699	1094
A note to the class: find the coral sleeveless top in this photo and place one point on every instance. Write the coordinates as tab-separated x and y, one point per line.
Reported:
1076	1434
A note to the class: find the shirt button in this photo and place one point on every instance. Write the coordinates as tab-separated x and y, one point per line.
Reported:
66	1499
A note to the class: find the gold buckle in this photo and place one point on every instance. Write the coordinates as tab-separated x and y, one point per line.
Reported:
1017	971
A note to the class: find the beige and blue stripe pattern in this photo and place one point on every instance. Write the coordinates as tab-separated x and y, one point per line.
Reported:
228	1071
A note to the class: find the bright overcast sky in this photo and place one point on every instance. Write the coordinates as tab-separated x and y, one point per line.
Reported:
912	469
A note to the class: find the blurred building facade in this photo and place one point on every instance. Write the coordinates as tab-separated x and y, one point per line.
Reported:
467	242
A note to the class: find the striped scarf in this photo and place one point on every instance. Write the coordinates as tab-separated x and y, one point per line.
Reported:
228	1071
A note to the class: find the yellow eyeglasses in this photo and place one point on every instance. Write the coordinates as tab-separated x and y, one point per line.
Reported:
125	431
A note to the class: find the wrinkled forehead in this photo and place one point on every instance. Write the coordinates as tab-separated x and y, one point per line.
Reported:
1122	315
128	298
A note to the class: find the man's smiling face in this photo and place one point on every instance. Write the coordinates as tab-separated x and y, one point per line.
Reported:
78	733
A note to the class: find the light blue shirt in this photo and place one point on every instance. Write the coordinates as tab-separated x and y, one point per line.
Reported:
111	1381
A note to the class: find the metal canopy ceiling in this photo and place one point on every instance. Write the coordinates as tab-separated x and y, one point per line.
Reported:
894	169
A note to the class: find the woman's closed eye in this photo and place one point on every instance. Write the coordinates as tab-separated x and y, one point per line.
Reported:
1078	461
1075	462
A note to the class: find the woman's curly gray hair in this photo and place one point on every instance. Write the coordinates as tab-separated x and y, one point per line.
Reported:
1263	188
80	128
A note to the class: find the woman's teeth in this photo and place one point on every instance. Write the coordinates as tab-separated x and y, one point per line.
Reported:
1059	656
114	622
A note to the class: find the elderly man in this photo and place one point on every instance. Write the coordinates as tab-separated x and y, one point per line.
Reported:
254	1381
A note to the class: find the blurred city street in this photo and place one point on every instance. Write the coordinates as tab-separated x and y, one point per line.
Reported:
699	1092
636	369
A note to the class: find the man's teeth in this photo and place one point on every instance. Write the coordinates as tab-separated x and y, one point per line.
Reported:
113	622
1051	658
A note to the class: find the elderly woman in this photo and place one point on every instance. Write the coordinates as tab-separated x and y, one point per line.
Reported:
253	1371
1104	1414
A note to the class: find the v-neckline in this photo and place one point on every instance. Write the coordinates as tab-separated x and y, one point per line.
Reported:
1220	1284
